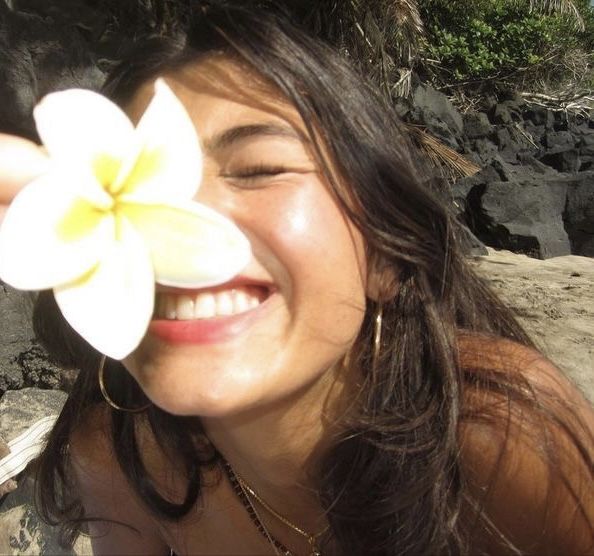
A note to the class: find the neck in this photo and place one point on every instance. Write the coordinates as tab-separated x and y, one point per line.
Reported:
277	449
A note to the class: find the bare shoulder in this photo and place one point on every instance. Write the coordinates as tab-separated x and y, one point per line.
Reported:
120	522
527	453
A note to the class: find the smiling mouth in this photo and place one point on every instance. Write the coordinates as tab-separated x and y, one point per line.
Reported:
209	304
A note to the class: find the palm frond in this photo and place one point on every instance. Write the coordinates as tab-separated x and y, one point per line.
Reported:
383	36
404	21
451	164
403	87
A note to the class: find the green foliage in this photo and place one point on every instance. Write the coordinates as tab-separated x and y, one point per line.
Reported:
587	11
503	40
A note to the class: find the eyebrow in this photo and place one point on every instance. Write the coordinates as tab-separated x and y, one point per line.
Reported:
239	133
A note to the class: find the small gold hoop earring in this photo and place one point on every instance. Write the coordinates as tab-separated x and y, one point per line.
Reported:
106	395
377	337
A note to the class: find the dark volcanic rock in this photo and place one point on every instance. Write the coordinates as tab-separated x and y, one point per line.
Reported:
477	124
526	218
536	132
37	370
437	114
22	361
38	55
566	161
15	336
579	214
11	376
501	115
539	115
517	207
486	149
559	141
561	151
570	150
586	144
514	107
427	99
586	149
534	193
435	126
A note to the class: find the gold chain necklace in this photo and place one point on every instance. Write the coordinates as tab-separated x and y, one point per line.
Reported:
251	510
246	490
276	545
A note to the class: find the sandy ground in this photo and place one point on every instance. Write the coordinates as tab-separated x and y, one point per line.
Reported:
554	300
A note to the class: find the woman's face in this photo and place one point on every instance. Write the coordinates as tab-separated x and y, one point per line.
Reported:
286	323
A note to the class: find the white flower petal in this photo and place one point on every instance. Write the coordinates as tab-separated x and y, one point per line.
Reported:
87	128
191	245
111	307
49	237
79	181
169	165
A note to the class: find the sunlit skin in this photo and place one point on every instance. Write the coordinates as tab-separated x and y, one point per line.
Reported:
304	249
267	394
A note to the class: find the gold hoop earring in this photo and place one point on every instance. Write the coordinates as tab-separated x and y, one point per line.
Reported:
377	337
106	395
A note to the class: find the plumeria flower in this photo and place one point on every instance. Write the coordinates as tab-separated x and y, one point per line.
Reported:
114	214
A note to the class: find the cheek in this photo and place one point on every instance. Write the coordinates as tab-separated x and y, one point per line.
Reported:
322	254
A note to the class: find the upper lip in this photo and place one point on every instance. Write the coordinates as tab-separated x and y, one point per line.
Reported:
236	282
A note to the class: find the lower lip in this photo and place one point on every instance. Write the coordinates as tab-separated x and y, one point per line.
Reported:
205	331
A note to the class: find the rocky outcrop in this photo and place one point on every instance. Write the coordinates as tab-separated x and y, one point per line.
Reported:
16	336
535	192
579	213
38	54
533	196
22	361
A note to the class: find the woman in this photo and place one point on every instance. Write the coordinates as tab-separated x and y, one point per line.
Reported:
378	399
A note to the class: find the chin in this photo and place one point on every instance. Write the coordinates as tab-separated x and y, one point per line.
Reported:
190	386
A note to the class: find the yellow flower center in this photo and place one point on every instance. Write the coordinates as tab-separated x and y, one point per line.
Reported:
106	169
80	220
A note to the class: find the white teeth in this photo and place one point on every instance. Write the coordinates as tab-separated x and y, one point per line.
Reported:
224	303
170	306
205	305
241	301
185	307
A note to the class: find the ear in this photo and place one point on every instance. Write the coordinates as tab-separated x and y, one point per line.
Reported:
383	282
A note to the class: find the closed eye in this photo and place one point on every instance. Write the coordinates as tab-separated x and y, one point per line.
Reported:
258	171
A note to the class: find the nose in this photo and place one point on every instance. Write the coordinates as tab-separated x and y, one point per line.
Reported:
214	193
218	195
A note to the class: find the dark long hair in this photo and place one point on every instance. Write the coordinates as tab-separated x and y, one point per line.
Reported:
392	483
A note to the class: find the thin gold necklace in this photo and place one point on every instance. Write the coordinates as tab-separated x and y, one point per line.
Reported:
248	490
276	544
251	510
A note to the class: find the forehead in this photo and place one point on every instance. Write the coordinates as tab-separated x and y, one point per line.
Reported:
218	92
